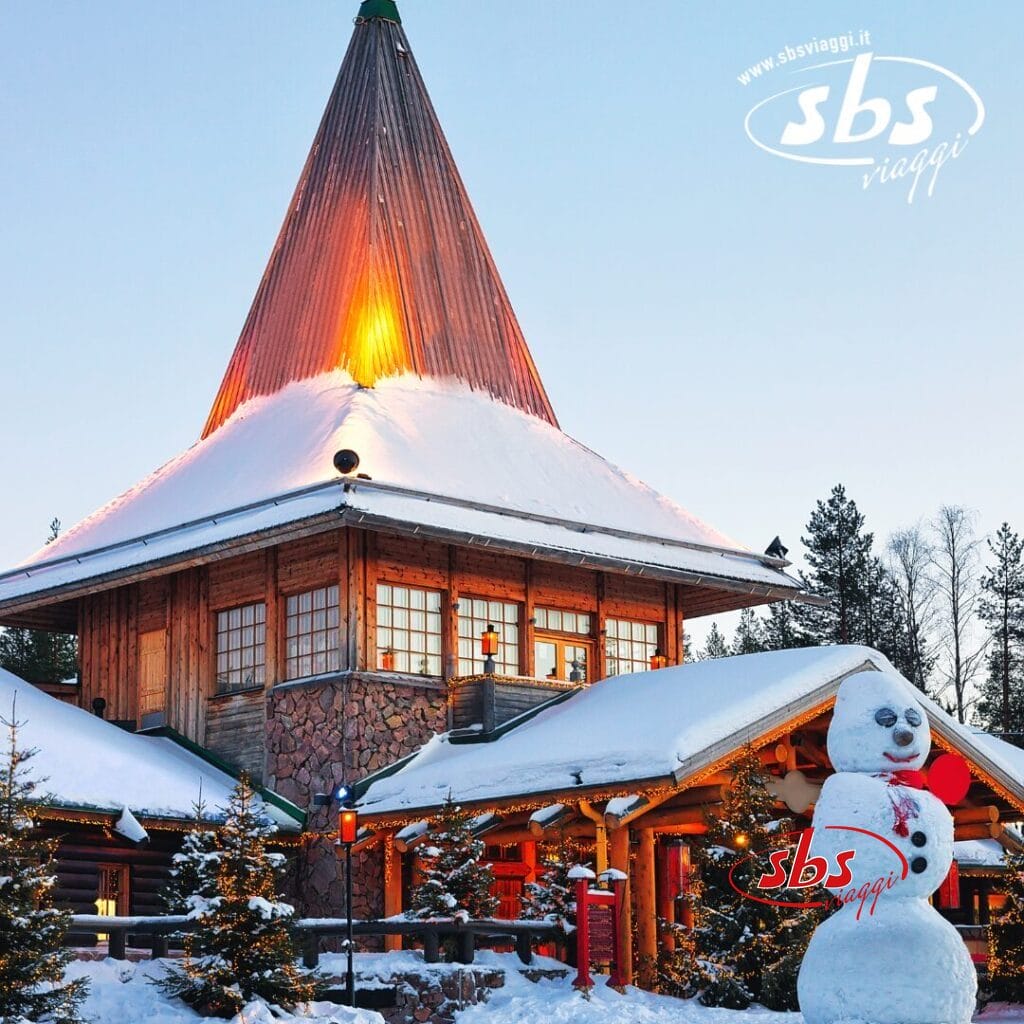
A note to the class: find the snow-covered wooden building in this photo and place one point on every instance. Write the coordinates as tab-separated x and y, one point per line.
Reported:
381	489
631	767
117	802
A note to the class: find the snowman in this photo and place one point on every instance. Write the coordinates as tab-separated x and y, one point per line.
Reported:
886	956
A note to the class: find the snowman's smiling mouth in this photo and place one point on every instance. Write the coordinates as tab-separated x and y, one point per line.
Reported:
900	760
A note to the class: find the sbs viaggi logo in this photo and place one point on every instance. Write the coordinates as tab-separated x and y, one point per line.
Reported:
898	120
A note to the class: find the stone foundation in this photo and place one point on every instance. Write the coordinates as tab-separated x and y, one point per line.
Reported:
323	732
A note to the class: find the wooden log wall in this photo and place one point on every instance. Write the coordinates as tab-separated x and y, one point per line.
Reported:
83	849
185	603
108	652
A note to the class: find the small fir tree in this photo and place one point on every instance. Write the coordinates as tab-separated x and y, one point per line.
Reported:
455	882
553	896
781	632
749	637
745	951
193	881
243	948
32	929
716	646
1006	936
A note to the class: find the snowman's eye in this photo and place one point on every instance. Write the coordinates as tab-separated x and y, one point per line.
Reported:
913	716
886	717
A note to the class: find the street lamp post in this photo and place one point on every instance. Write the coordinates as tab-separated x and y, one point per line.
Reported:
348	828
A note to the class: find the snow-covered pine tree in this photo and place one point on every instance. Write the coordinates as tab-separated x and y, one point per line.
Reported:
553	896
715	646
32	930
745	951
193	880
455	883
243	948
1001	693
1006	936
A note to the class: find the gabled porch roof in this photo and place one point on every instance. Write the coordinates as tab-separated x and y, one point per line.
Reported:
655	733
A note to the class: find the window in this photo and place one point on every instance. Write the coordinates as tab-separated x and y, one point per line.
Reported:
475	616
555	621
561	656
241	648
556	659
408	630
312	636
112	892
629	645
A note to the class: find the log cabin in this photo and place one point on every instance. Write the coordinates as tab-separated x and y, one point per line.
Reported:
631	767
381	508
118	803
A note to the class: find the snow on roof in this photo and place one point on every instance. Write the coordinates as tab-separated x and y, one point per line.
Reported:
625	729
979	853
86	762
439	454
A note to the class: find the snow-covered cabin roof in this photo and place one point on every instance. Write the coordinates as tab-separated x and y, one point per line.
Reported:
648	729
85	763
444	460
979	853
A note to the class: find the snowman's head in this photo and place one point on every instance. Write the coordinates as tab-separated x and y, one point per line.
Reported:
878	725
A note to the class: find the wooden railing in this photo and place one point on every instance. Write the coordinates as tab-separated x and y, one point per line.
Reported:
153	933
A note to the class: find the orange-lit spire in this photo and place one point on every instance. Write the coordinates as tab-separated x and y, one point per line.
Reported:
381	267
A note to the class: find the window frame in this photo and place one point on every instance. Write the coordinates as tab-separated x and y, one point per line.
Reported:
641	665
228	690
285	618
427	654
562	638
476	659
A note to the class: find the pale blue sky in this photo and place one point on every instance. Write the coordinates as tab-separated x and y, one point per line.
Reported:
739	330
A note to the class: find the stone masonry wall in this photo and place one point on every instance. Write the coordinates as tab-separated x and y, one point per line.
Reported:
324	732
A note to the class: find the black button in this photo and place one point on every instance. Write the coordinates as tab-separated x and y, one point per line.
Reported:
919	839
918	864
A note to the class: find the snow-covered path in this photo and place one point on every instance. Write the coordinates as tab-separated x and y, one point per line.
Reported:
122	993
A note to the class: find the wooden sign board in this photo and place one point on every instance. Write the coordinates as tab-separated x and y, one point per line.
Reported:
598	938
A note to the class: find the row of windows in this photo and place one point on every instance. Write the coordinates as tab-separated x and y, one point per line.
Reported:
409	638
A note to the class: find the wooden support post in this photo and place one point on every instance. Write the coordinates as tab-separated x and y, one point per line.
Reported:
450	641
665	902
524	947
619	855
116	943
159	947
392	890
600	834
273	628
431	947
465	944
528	656
645	887
310	950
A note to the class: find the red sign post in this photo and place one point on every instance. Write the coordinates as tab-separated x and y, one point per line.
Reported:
598	936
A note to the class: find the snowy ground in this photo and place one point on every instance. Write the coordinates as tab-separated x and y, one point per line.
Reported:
122	992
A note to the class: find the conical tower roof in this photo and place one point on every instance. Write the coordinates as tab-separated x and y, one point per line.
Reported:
381	267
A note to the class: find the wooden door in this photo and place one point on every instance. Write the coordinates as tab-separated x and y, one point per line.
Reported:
152	672
559	658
